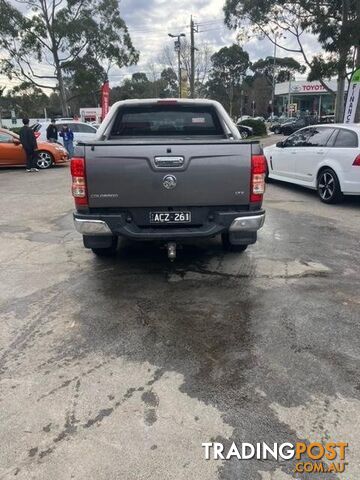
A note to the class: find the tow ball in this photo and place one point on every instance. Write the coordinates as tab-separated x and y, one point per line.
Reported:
171	250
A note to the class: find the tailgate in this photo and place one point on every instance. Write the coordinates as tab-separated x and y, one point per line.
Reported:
159	175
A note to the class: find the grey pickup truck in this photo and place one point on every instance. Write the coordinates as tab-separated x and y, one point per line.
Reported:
168	170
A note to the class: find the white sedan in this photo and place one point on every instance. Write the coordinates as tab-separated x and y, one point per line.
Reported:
325	158
82	131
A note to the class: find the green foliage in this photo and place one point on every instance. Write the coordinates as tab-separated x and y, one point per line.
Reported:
229	64
335	23
168	83
26	100
63	35
83	78
283	68
258	126
139	86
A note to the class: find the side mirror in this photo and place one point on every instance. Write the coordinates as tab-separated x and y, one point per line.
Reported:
16	141
280	144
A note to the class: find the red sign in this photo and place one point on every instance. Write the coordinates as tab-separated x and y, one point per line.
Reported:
105	95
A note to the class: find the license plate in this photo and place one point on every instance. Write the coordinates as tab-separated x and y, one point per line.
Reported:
170	217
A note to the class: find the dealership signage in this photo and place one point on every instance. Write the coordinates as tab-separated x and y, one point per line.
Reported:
352	98
304	88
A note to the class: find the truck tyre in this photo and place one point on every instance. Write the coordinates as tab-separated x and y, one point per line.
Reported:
328	186
105	251
229	247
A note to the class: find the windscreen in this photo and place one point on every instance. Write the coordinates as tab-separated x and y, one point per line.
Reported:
166	120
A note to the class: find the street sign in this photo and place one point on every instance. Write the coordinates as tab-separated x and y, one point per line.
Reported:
352	97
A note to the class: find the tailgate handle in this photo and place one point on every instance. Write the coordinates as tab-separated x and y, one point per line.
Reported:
169	162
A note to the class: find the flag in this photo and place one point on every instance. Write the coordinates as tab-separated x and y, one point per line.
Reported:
105	94
352	97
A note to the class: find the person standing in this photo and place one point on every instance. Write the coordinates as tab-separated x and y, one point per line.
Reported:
52	132
68	136
28	141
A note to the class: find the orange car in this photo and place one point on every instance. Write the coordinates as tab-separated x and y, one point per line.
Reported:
13	154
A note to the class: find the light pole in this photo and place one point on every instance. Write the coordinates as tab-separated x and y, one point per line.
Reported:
277	35
178	50
273	82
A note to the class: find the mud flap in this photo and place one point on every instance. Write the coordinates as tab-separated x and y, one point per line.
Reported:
242	238
99	241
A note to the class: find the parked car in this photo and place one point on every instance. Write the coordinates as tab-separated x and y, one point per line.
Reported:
82	131
244	130
274	124
168	170
327	119
289	126
13	154
325	158
243	117
292	125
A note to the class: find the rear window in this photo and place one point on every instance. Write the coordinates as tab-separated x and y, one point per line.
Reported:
319	136
346	138
164	120
36	127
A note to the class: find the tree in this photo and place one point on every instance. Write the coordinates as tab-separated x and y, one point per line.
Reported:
229	65
283	66
139	86
334	22
168	83
83	78
37	48
26	99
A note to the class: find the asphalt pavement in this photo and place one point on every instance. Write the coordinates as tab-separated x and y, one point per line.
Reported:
119	369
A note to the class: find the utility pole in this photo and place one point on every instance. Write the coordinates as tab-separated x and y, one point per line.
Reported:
357	61
178	50
193	29
273	81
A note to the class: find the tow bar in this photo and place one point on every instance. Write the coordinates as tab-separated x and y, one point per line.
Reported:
171	249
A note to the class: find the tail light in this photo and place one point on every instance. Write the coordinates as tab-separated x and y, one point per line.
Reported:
37	134
79	190
257	183
167	102
357	161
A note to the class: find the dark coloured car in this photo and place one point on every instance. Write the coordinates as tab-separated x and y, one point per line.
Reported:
293	124
244	130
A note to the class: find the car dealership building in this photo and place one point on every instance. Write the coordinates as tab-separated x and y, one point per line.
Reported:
305	97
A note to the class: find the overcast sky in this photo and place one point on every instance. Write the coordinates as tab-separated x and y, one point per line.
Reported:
150	21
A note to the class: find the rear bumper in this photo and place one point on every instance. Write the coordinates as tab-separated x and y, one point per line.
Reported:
240	223
250	223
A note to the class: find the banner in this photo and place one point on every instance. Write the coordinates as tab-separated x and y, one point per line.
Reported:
105	94
352	98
